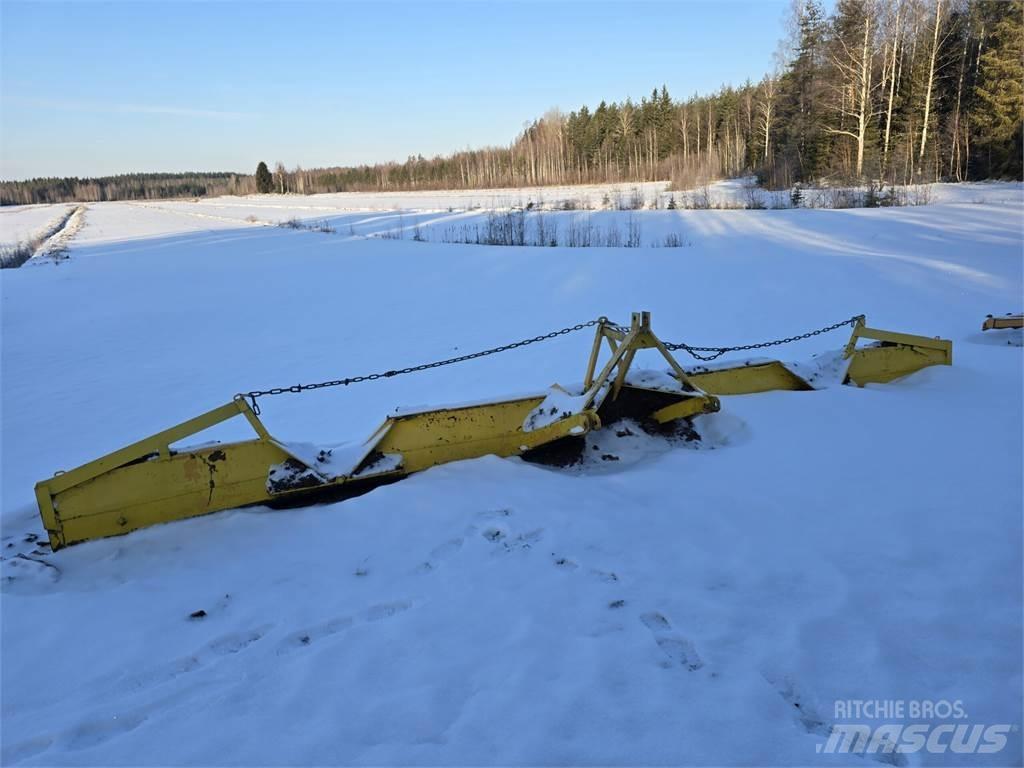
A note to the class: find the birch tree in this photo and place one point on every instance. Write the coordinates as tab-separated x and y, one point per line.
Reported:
936	24
853	61
767	95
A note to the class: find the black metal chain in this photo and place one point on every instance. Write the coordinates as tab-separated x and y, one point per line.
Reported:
297	388
691	350
719	351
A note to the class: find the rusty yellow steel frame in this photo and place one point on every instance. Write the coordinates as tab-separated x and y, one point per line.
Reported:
148	482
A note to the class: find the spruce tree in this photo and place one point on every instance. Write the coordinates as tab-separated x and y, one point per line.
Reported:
999	90
264	181
804	140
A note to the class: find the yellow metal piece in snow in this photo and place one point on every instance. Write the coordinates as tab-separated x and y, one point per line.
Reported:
689	401
148	482
1006	321
894	356
748	379
692	406
429	438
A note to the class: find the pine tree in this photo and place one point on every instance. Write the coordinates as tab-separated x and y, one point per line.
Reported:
264	181
804	141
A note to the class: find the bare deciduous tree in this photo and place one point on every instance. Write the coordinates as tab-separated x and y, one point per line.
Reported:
767	94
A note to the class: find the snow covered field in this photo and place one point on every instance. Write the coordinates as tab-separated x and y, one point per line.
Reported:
23	222
705	604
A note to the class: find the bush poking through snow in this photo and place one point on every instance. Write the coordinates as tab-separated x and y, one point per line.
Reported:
673	240
514	228
753	198
701	199
320	225
15	255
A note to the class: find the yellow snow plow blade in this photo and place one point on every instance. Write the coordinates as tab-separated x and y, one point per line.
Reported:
150	482
748	379
893	356
993	323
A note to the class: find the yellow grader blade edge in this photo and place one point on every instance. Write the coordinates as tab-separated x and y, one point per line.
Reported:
749	379
146	483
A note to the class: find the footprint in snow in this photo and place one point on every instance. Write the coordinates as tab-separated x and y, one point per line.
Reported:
440	553
495	514
96	732
15	753
386	610
494	535
564	562
310	635
25	574
680	650
304	638
522	541
447	549
235	641
655	622
225	645
807	715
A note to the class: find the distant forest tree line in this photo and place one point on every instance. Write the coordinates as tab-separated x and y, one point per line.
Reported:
131	186
894	91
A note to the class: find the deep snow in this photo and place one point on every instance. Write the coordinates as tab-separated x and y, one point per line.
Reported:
688	604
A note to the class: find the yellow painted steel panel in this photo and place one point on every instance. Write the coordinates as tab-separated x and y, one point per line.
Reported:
691	406
748	379
191	483
1006	321
879	365
435	437
161	490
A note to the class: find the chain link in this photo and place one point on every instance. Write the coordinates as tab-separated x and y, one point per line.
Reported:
719	351
692	351
297	388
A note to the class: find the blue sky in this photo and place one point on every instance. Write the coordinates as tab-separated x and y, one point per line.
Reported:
96	88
